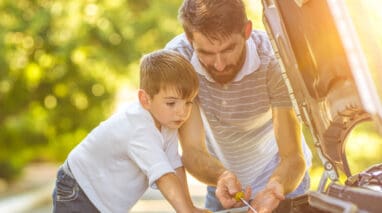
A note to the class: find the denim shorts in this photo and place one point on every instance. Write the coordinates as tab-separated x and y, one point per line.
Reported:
68	195
213	204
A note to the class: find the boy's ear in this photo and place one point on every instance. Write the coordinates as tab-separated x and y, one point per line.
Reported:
144	98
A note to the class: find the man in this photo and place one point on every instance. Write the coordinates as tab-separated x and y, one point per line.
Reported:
251	132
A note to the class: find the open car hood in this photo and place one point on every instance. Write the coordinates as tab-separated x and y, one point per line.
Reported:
331	66
331	56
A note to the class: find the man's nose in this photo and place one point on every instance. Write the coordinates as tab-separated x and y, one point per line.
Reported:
219	63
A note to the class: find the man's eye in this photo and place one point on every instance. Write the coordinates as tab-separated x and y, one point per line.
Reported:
170	103
228	50
189	102
205	54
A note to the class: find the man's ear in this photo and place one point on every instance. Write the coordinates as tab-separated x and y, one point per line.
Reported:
144	98
248	29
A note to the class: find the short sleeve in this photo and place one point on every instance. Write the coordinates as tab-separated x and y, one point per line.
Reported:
172	150
277	89
147	151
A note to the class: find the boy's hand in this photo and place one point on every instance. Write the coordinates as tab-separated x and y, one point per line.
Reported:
199	210
228	185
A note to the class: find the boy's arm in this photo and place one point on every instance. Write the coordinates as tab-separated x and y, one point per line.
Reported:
180	172
172	189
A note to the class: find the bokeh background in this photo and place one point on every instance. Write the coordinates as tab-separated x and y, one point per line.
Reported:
66	65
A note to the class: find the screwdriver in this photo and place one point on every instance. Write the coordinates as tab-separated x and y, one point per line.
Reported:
239	196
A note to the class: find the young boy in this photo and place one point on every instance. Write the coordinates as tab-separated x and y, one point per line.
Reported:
136	148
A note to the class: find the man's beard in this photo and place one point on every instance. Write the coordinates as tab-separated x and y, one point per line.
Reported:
229	72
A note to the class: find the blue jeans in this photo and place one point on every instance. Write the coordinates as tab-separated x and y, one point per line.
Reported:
213	204
69	197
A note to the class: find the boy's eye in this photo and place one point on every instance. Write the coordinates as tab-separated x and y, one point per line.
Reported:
170	103
189	102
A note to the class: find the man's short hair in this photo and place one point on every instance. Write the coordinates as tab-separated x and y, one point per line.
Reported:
163	69
215	19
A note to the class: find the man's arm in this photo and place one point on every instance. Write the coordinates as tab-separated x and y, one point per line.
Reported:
195	156
292	166
288	135
202	165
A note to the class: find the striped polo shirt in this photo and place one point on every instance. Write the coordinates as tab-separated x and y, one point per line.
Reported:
237	116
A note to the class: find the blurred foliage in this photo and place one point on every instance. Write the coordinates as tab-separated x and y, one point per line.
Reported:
61	65
363	146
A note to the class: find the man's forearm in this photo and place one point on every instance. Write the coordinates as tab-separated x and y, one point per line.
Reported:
284	180
195	157
289	173
292	166
203	166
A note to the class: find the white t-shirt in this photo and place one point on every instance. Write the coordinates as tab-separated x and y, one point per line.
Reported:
122	157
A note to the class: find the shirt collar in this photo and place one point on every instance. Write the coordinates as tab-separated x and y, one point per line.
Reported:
251	63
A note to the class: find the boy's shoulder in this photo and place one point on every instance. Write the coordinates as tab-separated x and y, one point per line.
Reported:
139	119
129	118
136	114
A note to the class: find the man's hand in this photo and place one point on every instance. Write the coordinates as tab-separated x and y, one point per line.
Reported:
227	186
269	198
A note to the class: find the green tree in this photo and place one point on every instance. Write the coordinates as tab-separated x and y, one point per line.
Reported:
61	64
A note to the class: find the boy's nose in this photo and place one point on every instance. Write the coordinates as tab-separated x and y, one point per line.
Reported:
181	111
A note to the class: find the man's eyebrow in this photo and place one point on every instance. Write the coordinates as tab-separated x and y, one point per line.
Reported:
204	51
230	46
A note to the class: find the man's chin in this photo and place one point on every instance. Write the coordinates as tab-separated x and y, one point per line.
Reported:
223	77
223	80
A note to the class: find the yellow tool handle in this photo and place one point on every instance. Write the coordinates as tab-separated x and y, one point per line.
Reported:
239	195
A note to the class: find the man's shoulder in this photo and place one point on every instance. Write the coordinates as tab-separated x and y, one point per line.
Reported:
179	40
261	34
180	44
262	42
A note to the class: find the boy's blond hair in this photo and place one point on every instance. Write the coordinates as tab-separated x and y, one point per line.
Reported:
163	69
